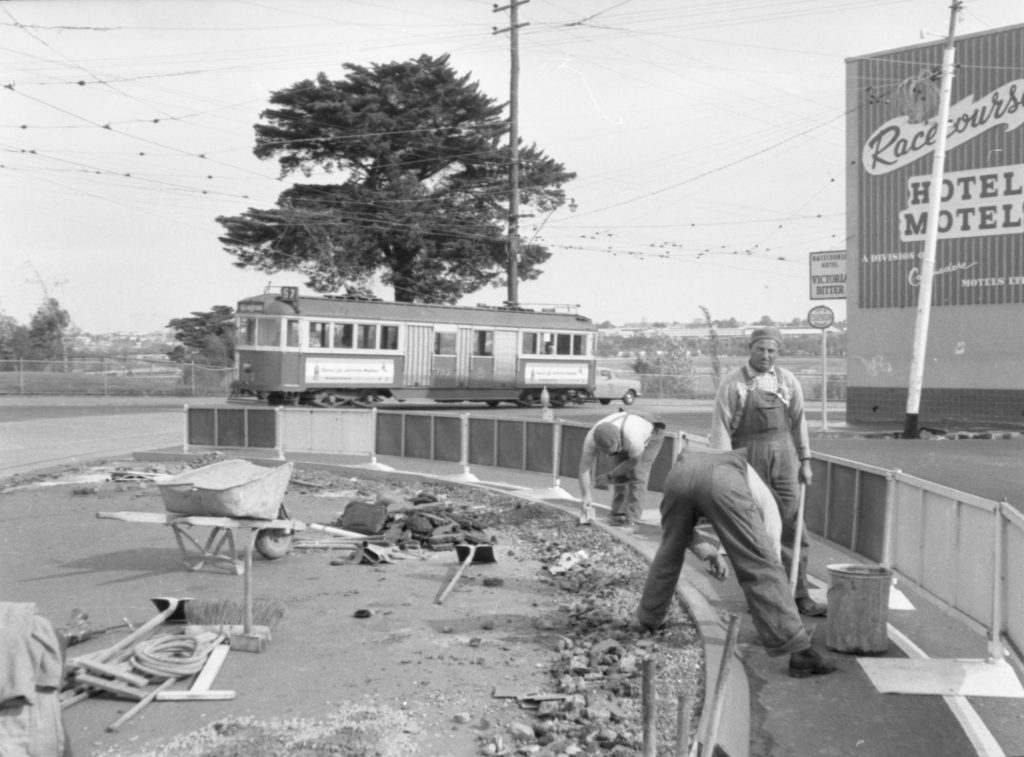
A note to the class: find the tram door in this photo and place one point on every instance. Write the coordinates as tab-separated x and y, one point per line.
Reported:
506	348
444	368
419	348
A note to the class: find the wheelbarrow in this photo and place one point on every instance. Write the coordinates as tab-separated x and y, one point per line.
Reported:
467	553
229	496
235	489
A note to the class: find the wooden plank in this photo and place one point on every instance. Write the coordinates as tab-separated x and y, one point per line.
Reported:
195	696
113	687
119	672
200	689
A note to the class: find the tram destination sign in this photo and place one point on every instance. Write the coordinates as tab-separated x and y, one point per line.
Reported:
828	275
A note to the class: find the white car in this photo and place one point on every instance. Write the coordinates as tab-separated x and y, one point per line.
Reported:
610	386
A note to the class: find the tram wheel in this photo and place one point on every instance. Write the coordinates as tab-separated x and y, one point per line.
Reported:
328	398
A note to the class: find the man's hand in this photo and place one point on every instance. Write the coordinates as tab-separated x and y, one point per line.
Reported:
586	514
717	566
601	482
805	474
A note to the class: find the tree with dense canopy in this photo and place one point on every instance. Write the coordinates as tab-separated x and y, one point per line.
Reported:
423	195
47	329
205	337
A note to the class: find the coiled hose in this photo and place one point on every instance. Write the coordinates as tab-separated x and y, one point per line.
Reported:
174	655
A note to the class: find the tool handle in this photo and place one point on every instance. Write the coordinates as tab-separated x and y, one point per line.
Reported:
335	531
141	704
794	566
139	633
458	573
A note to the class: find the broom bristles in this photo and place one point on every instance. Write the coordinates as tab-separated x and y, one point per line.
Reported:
226	612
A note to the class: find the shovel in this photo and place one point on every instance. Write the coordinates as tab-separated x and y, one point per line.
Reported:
467	553
169	609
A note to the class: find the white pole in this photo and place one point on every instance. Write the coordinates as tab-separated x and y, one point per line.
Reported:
996	653
824	380
924	295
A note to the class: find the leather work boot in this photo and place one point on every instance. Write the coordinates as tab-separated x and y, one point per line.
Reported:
636	626
808	663
807	606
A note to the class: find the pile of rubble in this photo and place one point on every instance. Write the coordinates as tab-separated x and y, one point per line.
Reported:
426	521
594	704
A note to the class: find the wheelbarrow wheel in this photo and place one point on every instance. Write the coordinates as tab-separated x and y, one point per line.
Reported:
275	543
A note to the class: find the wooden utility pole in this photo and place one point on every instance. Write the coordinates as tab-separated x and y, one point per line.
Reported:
513	137
924	294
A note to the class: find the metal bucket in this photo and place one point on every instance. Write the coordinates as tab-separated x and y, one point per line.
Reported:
858	609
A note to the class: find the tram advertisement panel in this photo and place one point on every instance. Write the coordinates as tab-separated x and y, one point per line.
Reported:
348	372
555	374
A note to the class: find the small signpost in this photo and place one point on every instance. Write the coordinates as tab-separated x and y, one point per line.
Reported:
821	317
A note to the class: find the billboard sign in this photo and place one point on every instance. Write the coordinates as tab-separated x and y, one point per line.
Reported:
828	275
979	258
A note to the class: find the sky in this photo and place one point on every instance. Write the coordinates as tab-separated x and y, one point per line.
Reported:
708	139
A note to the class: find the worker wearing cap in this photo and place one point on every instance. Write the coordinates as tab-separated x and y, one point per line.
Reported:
716	485
760	407
632	441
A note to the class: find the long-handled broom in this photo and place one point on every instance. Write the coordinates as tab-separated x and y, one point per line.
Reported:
247	625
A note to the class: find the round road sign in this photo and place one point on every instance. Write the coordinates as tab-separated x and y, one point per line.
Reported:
820	317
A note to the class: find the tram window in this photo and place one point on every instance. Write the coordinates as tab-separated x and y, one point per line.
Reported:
318	334
579	344
530	342
444	342
563	344
247	331
293	334
367	336
343	336
483	342
268	332
389	337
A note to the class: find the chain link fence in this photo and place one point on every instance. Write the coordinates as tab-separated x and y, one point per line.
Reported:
704	385
113	376
127	376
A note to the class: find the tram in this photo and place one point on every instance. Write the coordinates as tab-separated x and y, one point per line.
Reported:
333	351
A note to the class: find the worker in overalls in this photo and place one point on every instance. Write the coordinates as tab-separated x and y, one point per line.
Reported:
632	440
760	407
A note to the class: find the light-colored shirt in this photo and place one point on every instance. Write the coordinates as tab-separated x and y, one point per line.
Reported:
634	432
732	398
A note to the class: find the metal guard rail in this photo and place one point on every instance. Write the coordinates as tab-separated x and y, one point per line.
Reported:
964	551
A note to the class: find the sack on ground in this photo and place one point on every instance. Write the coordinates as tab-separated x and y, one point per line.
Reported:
364	517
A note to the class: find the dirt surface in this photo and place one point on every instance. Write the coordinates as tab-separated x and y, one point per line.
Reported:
527	655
